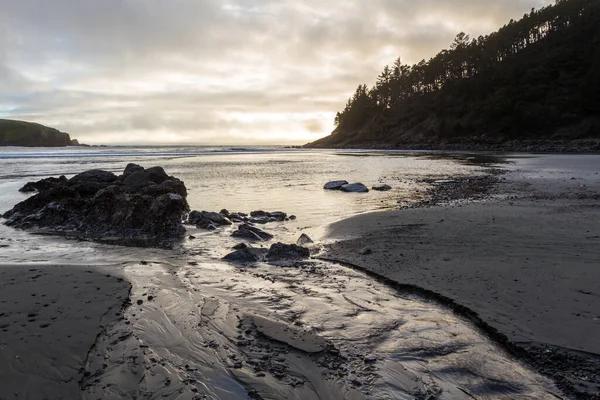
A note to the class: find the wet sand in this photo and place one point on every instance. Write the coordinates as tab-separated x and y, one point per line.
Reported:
526	263
50	317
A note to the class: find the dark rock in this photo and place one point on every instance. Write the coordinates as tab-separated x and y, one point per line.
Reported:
131	168
96	205
281	251
217	218
382	188
335	185
139	179
259	220
235	217
225	212
171	185
263	217
205	218
355	188
303	240
246	255
90	182
366	251
195	217
43	184
93	175
251	233
293	217
240	246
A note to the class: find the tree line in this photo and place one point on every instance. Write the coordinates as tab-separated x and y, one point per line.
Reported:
548	62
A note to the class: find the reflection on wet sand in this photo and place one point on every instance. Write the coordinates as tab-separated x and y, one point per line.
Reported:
303	331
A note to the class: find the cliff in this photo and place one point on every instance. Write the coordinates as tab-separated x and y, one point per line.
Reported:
20	133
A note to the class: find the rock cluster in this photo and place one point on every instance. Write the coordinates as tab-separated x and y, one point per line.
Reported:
277	252
142	207
344	186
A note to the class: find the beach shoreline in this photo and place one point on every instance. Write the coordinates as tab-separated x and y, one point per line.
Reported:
521	265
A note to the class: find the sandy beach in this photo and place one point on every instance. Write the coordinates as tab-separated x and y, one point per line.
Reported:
471	299
50	318
526	262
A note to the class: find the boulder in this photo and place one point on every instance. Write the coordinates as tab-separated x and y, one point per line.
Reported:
97	205
203	218
335	185
250	232
282	251
246	255
43	184
382	188
355	188
303	240
217	218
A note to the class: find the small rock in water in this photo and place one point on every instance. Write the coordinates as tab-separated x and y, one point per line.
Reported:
355	188
204	218
335	185
140	302
303	240
251	233
281	251
382	188
263	217
293	217
366	251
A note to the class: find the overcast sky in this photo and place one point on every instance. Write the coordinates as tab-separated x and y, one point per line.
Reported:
214	71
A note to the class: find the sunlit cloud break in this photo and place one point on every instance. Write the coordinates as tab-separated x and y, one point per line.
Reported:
213	72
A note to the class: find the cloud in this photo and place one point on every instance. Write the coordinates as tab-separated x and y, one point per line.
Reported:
207	71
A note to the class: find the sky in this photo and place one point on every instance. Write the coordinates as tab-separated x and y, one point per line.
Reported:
215	71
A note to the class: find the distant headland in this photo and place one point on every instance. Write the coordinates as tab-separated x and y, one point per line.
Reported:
29	134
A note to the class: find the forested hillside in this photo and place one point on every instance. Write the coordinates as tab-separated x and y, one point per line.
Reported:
534	79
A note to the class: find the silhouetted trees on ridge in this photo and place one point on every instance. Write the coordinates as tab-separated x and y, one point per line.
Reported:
532	76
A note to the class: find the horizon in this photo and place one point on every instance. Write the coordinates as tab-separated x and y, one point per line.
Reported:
202	73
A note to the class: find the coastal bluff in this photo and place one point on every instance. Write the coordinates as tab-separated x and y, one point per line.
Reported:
29	134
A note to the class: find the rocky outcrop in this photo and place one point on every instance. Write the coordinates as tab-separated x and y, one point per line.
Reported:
355	188
334	185
142	207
